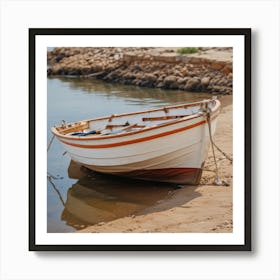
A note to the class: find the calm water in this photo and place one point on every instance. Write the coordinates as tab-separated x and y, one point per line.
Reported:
77	198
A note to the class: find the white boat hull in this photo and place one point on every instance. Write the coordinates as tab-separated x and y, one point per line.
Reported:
169	153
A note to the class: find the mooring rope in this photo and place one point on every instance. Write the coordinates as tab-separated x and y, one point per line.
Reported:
222	152
212	146
218	181
50	176
49	145
56	189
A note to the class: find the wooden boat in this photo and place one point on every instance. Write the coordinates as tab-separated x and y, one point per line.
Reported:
168	144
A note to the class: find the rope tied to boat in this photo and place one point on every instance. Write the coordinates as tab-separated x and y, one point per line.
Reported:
51	141
207	112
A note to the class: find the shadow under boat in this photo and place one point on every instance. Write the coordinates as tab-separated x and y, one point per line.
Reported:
96	198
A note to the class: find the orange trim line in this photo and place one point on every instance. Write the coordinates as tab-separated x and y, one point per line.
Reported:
103	137
147	138
57	134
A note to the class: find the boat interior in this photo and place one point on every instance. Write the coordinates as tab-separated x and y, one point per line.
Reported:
123	123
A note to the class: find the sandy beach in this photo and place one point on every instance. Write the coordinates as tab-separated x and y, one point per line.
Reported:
199	209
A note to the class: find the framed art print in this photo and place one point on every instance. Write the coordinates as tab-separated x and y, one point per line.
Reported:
140	139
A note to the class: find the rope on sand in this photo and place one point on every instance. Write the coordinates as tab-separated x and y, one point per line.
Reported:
222	152
217	181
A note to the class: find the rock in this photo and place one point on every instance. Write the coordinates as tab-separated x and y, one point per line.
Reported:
174	86
185	71
170	79
177	73
182	86
160	85
222	82
181	80
205	81
227	69
118	56
49	72
216	65
229	83
135	82
145	83
150	77
161	78
228	91
192	83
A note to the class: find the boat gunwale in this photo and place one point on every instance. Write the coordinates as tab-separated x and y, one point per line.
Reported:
168	123
138	140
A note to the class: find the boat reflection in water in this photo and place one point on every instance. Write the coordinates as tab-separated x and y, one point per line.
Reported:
96	198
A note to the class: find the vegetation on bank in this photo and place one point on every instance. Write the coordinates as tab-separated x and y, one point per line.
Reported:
187	50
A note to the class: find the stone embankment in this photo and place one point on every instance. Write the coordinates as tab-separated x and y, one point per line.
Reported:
208	70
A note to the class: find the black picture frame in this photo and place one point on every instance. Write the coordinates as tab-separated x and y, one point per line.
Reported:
246	32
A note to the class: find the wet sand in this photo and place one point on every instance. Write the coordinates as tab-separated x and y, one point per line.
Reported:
199	209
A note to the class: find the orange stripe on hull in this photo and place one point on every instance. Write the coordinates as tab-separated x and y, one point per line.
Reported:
190	176
147	138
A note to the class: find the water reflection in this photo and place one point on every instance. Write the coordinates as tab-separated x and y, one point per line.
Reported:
131	93
98	198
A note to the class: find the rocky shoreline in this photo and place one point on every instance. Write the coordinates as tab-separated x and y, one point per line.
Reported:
208	70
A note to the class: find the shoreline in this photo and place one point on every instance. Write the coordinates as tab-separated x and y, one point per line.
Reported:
202	209
207	70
